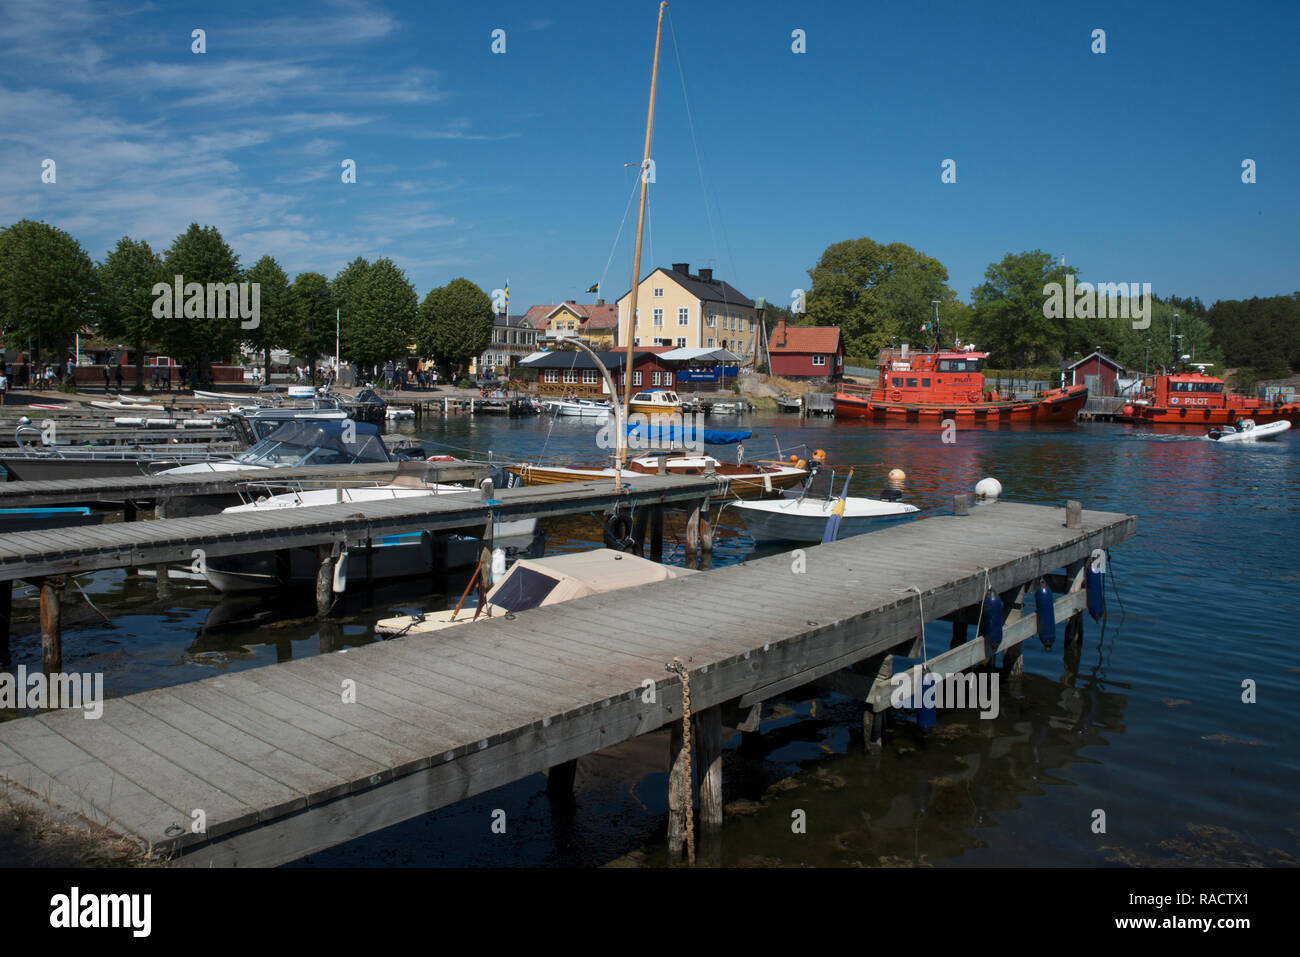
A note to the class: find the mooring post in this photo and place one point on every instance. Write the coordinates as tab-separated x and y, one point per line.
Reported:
640	519
129	511
51	625
1073	514
679	786
657	533
438	564
162	580
706	531
959	503
692	536
958	632
324	581
708	729
6	613
873	721
559	782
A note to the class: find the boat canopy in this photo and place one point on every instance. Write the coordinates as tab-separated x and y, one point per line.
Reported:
318	443
534	582
672	433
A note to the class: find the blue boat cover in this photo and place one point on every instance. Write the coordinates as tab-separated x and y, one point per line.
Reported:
671	434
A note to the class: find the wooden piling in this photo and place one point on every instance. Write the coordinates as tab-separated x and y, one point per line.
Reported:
559	782
679	786
959	504
706	532
1073	514
708	730
657	533
692	536
162	580
51	624
324	581
639	522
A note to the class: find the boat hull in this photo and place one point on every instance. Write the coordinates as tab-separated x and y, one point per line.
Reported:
1058	406
790	524
743	484
1199	417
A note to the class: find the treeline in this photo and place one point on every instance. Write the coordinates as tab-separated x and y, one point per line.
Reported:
50	288
882	294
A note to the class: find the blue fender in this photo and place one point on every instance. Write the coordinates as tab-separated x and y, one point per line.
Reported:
1096	593
1045	605
991	621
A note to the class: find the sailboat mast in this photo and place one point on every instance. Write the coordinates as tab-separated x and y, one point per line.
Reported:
636	255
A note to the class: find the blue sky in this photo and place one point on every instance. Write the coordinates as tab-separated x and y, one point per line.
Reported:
493	165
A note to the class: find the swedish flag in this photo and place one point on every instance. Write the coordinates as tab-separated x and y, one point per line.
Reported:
595	287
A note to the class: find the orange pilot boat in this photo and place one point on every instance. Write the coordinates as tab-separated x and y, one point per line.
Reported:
948	384
1196	399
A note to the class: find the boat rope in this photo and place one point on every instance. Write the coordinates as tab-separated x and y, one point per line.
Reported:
979	621
679	669
92	604
636	180
920	604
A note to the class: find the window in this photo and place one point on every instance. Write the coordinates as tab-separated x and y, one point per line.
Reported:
659	292
819	360
668	379
659	318
911	383
636	341
751	325
710	343
654	377
709	321
925	383
636	379
551	375
681	342
588	376
896	381
684	316
570	375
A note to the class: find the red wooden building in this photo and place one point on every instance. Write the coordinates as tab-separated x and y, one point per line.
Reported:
1097	371
806	352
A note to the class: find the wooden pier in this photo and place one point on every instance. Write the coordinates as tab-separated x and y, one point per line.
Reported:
264	766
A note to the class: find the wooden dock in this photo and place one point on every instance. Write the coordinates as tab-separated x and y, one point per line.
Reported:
264	766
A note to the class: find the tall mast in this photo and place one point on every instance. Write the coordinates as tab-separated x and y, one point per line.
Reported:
636	256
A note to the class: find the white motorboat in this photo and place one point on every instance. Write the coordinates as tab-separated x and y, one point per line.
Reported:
387	557
803	519
301	443
537	582
1248	431
581	408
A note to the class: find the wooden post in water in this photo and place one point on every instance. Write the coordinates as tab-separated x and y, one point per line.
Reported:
679	786
51	624
692	536
708	728
873	722
324	581
438	564
162	580
656	533
6	613
559	782
639	521
706	531
958	633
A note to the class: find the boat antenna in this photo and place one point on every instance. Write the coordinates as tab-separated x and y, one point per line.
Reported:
937	336
636	255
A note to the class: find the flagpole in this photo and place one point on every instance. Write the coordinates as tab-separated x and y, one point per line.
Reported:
337	370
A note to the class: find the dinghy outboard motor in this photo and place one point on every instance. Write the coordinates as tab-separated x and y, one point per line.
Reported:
888	494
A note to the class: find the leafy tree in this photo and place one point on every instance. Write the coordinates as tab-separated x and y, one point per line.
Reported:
1008	318
200	255
455	323
877	294
386	312
48	287
276	326
345	292
1260	335
126	277
313	311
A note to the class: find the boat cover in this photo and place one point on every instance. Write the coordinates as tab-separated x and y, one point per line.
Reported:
670	433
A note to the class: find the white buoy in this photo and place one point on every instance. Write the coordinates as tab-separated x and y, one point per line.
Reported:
988	488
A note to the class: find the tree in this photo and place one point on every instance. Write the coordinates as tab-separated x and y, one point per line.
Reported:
345	292
48	287
455	323
126	278
386	311
201	256
276	325
1261	335
313	311
1008	317
877	294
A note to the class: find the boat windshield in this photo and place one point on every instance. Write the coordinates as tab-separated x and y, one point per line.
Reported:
523	589
317	443
960	365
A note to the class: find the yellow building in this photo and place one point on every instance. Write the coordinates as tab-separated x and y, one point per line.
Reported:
675	308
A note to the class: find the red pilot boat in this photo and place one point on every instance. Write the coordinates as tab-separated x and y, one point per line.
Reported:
947	384
1197	399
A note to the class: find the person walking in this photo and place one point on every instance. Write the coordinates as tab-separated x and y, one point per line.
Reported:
4	386
106	378
118	375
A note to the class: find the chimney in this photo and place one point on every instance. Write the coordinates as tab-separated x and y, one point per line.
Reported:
600	302
684	268
706	275
778	334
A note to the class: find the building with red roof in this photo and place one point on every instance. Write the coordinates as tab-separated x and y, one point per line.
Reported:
806	352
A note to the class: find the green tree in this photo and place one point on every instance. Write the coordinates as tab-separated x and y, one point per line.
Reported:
126	278
455	323
313	310
345	292
48	288
386	311
1258	335
276	325
201	256
1008	319
878	294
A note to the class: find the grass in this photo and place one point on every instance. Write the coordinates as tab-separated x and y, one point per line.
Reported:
29	837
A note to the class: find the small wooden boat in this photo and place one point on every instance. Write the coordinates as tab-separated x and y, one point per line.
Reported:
656	402
538	582
1247	431
746	481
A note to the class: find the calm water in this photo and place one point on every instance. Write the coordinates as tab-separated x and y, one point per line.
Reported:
1151	729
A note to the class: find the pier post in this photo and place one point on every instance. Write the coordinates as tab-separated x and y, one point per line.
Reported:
559	782
708	728
639	522
873	722
692	536
162	580
1073	514
958	633
438	564
959	504
6	613
51	625
706	531
324	581
679	786
657	533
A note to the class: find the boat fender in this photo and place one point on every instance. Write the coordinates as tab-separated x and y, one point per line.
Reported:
340	584
498	564
1096	594
1183	412
618	533
895	396
974	395
991	620
1045	605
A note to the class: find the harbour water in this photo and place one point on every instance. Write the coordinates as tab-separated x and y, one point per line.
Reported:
1152	731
